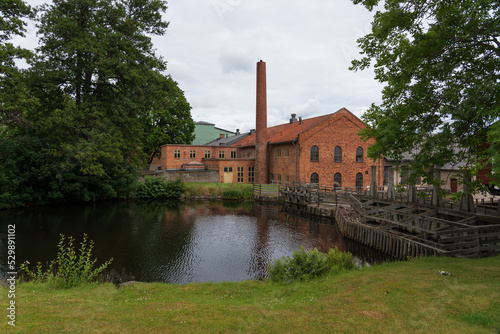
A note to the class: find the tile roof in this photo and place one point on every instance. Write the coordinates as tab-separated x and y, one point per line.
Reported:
288	132
227	141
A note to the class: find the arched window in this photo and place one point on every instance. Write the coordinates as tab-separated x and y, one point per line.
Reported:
314	178
359	180
337	154
337	181
314	153
359	154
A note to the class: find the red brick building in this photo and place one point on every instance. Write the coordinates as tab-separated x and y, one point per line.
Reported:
324	149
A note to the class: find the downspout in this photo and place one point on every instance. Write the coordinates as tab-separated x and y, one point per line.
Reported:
268	162
293	143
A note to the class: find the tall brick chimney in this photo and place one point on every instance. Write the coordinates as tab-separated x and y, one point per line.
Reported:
261	170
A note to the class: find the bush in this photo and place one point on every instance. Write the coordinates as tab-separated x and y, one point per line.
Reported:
69	268
304	265
157	187
232	194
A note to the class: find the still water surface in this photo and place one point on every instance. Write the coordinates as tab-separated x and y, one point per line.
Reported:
173	242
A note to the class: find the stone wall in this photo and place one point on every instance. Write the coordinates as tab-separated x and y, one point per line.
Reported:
189	175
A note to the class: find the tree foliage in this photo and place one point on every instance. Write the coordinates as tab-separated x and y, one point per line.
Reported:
100	55
440	62
13	95
93	105
167	119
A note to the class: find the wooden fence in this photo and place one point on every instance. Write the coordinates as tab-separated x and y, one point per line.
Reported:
422	229
266	192
399	227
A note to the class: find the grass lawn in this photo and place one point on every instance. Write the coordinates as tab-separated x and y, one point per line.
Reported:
405	297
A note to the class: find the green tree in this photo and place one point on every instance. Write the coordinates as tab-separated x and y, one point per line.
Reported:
167	119
77	117
440	62
95	58
13	95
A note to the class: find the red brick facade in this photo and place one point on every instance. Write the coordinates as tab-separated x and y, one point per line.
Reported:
337	130
302	150
288	154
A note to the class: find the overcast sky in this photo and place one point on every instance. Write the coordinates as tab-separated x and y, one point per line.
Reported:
212	47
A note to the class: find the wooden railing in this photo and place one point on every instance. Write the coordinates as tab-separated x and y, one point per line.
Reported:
266	191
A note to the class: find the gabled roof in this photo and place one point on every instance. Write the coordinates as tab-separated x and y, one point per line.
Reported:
285	133
203	123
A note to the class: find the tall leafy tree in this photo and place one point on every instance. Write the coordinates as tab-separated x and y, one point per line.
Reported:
440	63
13	96
167	119
95	58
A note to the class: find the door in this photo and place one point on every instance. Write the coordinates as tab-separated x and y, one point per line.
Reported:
454	185
228	175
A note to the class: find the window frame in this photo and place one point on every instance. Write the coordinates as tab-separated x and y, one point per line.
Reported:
359	179
251	174
337	154
337	178
359	154
314	151
240	175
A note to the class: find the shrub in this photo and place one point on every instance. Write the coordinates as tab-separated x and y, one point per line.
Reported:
157	187
69	268
304	265
232	194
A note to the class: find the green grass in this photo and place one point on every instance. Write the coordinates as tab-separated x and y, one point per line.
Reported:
217	190
405	297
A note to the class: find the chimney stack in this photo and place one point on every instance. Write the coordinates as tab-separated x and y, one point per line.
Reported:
261	110
293	119
261	168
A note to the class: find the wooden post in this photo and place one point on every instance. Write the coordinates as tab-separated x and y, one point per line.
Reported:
467	202
390	184
412	193
436	199
373	184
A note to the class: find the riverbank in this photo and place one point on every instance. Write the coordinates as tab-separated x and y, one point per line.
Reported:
217	191
398	297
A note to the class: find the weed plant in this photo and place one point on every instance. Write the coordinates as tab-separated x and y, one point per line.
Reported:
304	265
158	187
70	268
219	190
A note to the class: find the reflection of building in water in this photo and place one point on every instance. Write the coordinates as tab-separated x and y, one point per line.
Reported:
260	256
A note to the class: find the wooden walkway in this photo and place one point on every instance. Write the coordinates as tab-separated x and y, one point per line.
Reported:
401	228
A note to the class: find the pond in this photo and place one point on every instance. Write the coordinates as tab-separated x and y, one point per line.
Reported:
174	241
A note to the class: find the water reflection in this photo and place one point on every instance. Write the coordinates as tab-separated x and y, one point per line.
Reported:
172	242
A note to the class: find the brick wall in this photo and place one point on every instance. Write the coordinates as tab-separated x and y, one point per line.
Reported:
341	129
234	164
282	162
188	153
192	175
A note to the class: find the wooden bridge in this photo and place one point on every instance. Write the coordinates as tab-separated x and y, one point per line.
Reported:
402	226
